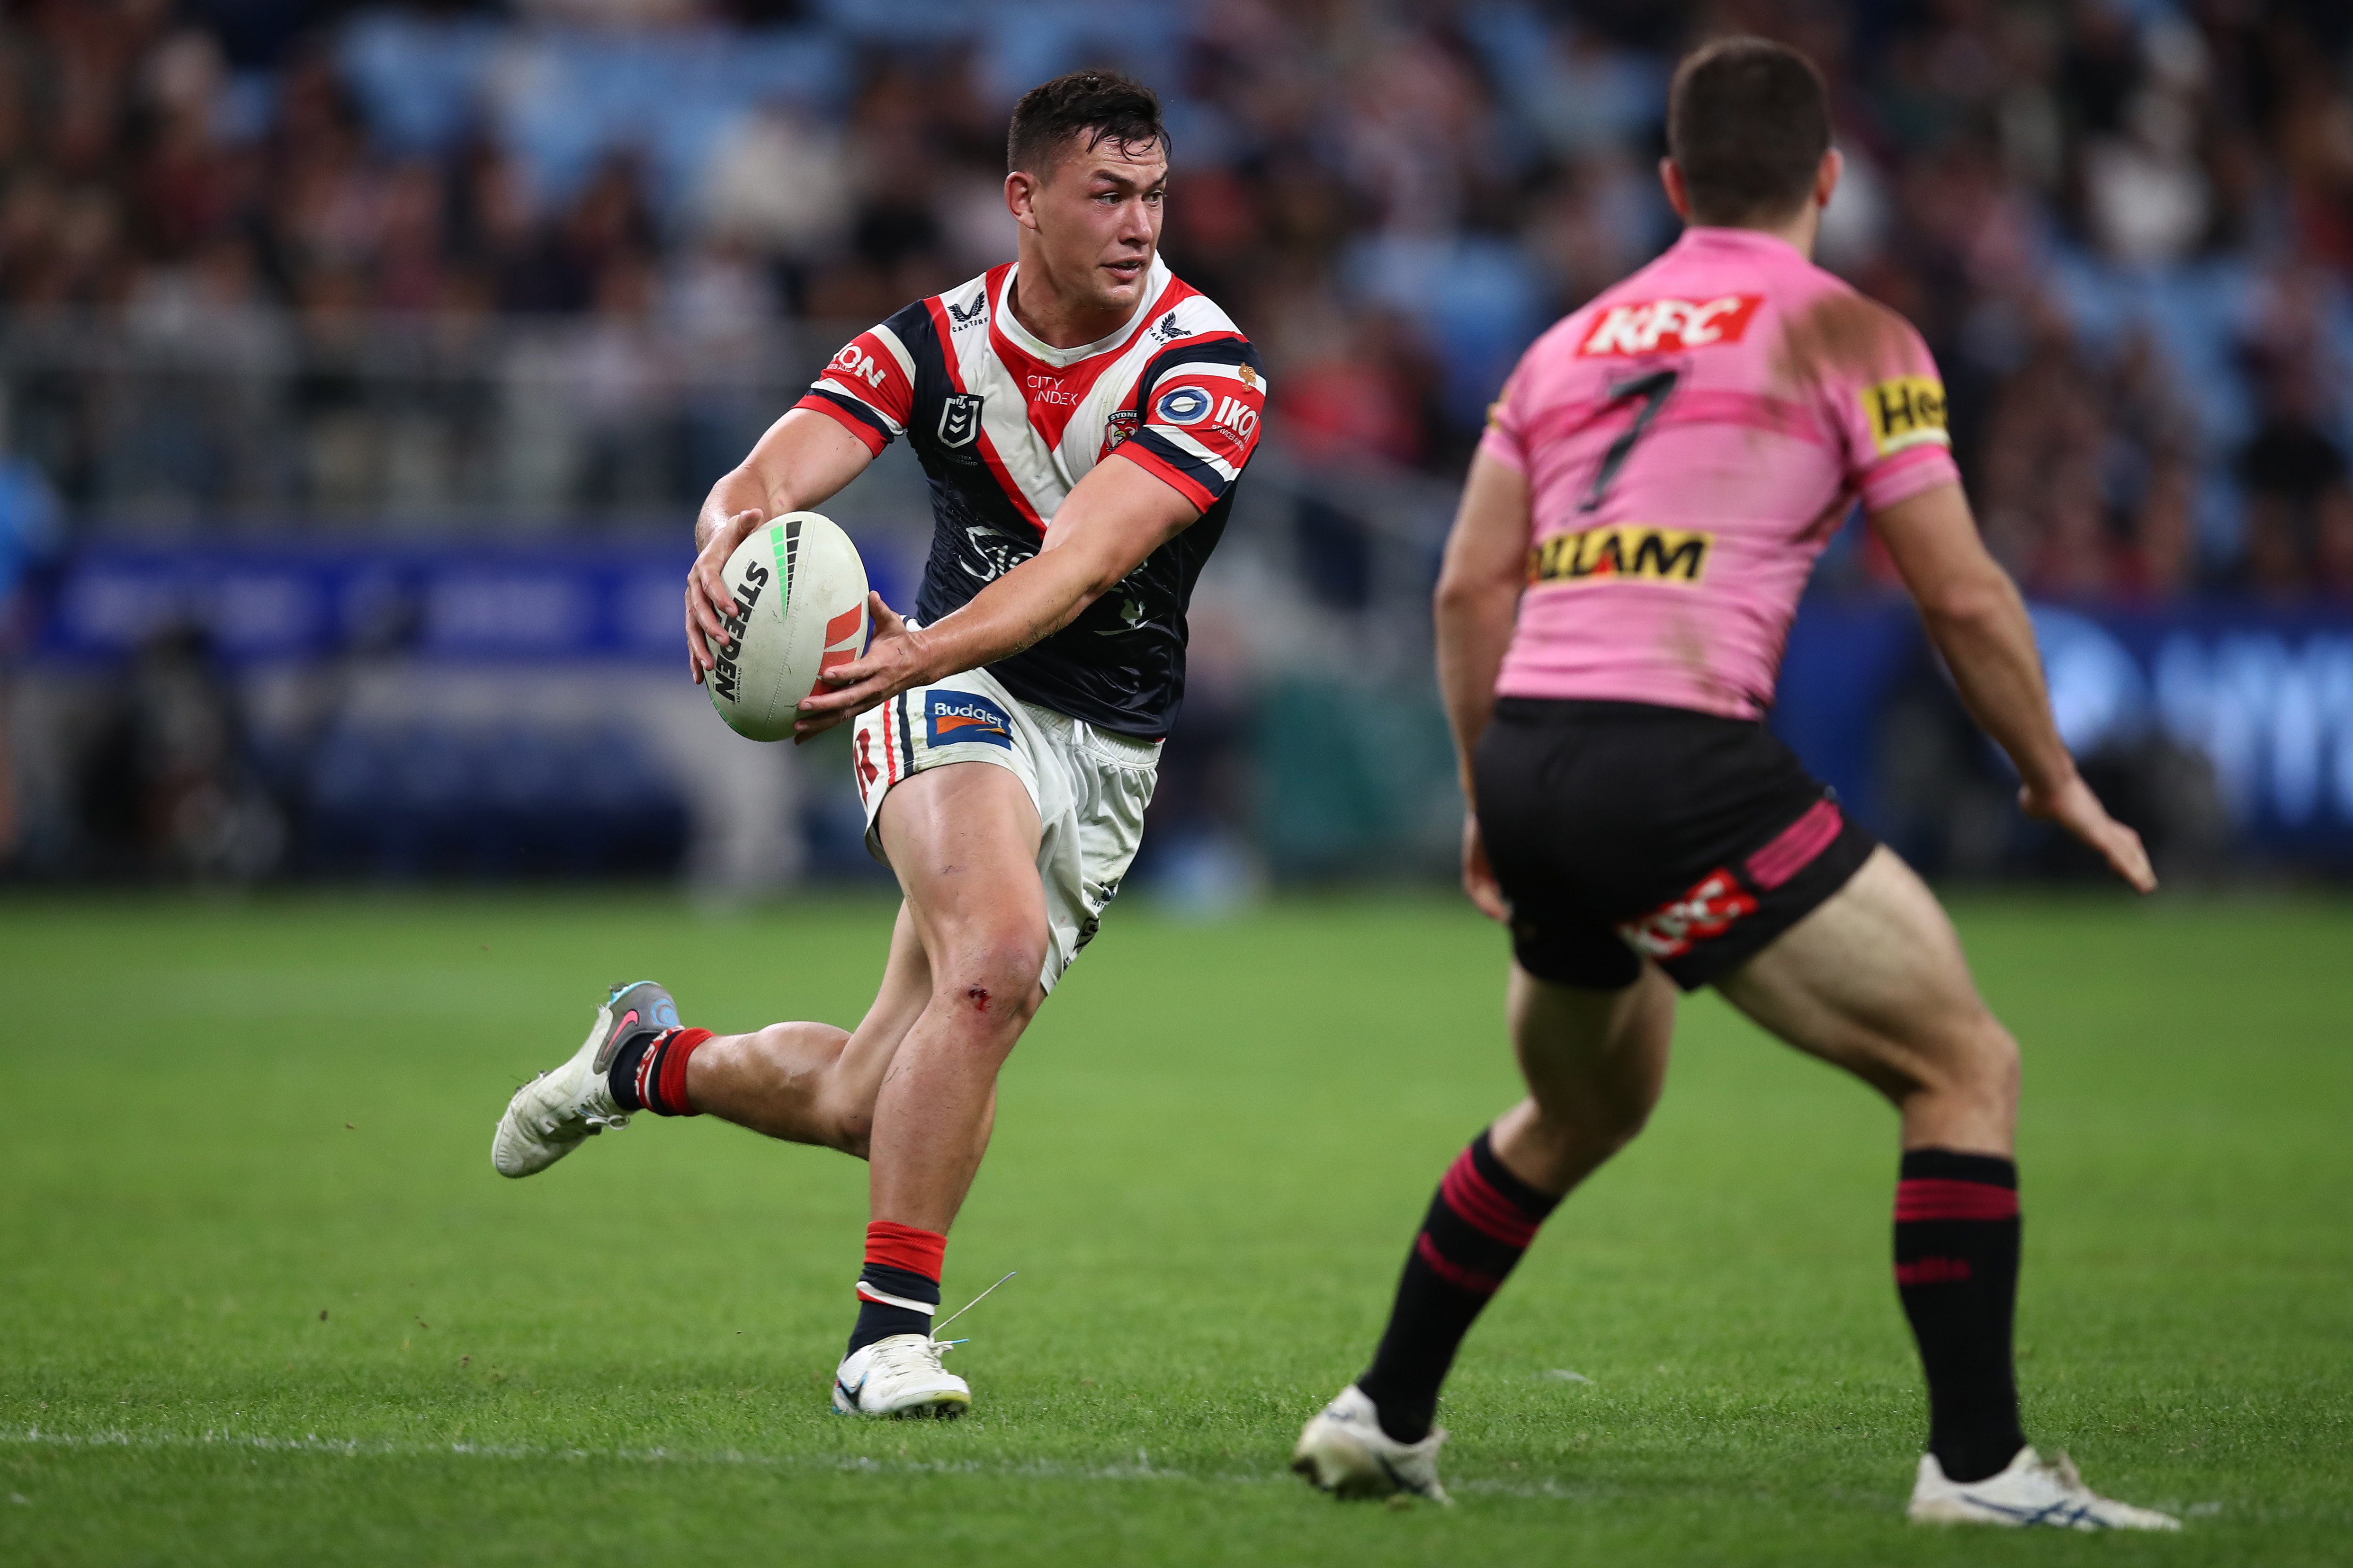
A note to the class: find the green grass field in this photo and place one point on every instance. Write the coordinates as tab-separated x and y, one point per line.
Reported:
265	1302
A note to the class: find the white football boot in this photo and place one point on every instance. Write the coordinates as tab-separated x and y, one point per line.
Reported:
2031	1491
900	1375
1343	1451
556	1112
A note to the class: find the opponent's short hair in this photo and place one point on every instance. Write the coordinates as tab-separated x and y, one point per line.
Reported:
1748	122
1100	105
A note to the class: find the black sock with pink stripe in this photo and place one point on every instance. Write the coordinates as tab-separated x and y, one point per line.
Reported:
1956	1268
1480	1221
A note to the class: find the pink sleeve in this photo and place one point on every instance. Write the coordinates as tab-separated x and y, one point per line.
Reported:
1503	440
1892	418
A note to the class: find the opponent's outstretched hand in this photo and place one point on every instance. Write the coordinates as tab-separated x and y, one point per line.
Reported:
895	660
708	602
1478	876
2074	807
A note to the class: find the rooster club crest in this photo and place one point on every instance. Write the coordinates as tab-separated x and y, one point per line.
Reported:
960	419
1120	425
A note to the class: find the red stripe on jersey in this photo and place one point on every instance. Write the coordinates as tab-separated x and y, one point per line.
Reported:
945	330
868	370
1168	473
847	420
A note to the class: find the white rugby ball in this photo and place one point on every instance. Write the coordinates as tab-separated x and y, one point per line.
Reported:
800	591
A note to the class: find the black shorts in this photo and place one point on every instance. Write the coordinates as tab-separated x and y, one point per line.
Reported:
1621	831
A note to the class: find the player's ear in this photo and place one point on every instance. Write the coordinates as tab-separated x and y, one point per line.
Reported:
1021	198
1826	177
1677	197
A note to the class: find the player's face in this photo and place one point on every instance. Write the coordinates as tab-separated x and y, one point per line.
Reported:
1098	223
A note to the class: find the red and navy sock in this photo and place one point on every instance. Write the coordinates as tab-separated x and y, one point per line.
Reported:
649	1073
899	1289
1956	1268
1480	1221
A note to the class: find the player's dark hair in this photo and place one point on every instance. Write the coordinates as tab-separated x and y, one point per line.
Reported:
1748	122
1100	105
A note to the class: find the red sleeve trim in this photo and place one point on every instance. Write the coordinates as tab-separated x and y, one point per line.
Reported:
875	440
1168	473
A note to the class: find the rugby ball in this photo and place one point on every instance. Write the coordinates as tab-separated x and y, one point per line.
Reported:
800	596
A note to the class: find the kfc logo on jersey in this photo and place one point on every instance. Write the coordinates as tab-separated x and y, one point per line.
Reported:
1660	326
855	361
1707	910
960	418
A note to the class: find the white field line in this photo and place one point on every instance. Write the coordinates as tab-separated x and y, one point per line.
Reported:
1141	1469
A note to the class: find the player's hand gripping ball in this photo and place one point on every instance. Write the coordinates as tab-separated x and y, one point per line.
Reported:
800	596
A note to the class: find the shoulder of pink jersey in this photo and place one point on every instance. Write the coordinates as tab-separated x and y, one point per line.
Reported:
1834	334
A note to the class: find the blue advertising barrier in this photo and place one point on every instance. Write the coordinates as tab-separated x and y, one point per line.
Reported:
258	603
2264	691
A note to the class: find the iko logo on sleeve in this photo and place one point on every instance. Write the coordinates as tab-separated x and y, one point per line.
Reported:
951	718
1908	411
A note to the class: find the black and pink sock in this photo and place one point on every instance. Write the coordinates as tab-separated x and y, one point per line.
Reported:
1478	1225
899	1289
1957	1237
649	1073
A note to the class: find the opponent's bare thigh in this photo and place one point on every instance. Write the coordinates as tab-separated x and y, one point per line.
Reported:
1873	980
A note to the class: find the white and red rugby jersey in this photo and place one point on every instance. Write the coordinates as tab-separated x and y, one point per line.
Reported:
1006	424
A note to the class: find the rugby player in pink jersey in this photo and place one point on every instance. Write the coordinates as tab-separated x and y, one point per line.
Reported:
1659	475
1083	417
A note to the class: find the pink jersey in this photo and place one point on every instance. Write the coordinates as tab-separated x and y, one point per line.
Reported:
1692	439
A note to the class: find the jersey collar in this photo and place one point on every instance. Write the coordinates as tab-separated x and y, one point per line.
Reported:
1155	283
1753	240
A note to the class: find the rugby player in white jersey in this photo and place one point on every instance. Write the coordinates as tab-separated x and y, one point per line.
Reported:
1082	417
1659	476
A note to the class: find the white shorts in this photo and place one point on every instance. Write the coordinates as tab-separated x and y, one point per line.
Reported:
1090	788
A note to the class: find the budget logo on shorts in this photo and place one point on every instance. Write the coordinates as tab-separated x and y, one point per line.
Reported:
951	718
1621	550
1908	411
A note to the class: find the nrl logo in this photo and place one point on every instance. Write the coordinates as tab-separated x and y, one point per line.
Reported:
965	316
960	419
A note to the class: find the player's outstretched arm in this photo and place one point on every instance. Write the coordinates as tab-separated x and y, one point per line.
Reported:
1976	619
1120	513
1478	598
801	461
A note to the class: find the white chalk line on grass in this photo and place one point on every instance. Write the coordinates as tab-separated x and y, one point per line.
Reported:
1141	1469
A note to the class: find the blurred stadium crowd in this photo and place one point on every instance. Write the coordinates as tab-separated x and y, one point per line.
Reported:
451	278
2126	226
